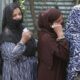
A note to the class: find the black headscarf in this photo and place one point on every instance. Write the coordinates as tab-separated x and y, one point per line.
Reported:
12	29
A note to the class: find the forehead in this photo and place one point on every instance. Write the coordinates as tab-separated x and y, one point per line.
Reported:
17	10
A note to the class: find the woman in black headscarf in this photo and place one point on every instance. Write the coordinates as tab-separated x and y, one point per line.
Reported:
17	46
52	46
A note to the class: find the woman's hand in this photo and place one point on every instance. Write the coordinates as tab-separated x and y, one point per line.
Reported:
58	30
26	35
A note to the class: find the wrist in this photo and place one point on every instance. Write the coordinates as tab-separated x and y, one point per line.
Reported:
61	37
24	40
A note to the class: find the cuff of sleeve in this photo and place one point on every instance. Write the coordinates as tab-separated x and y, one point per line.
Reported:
61	38
22	44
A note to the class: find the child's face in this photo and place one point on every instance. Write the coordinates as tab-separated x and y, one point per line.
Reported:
17	15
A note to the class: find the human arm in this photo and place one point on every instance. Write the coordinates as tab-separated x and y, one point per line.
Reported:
11	50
